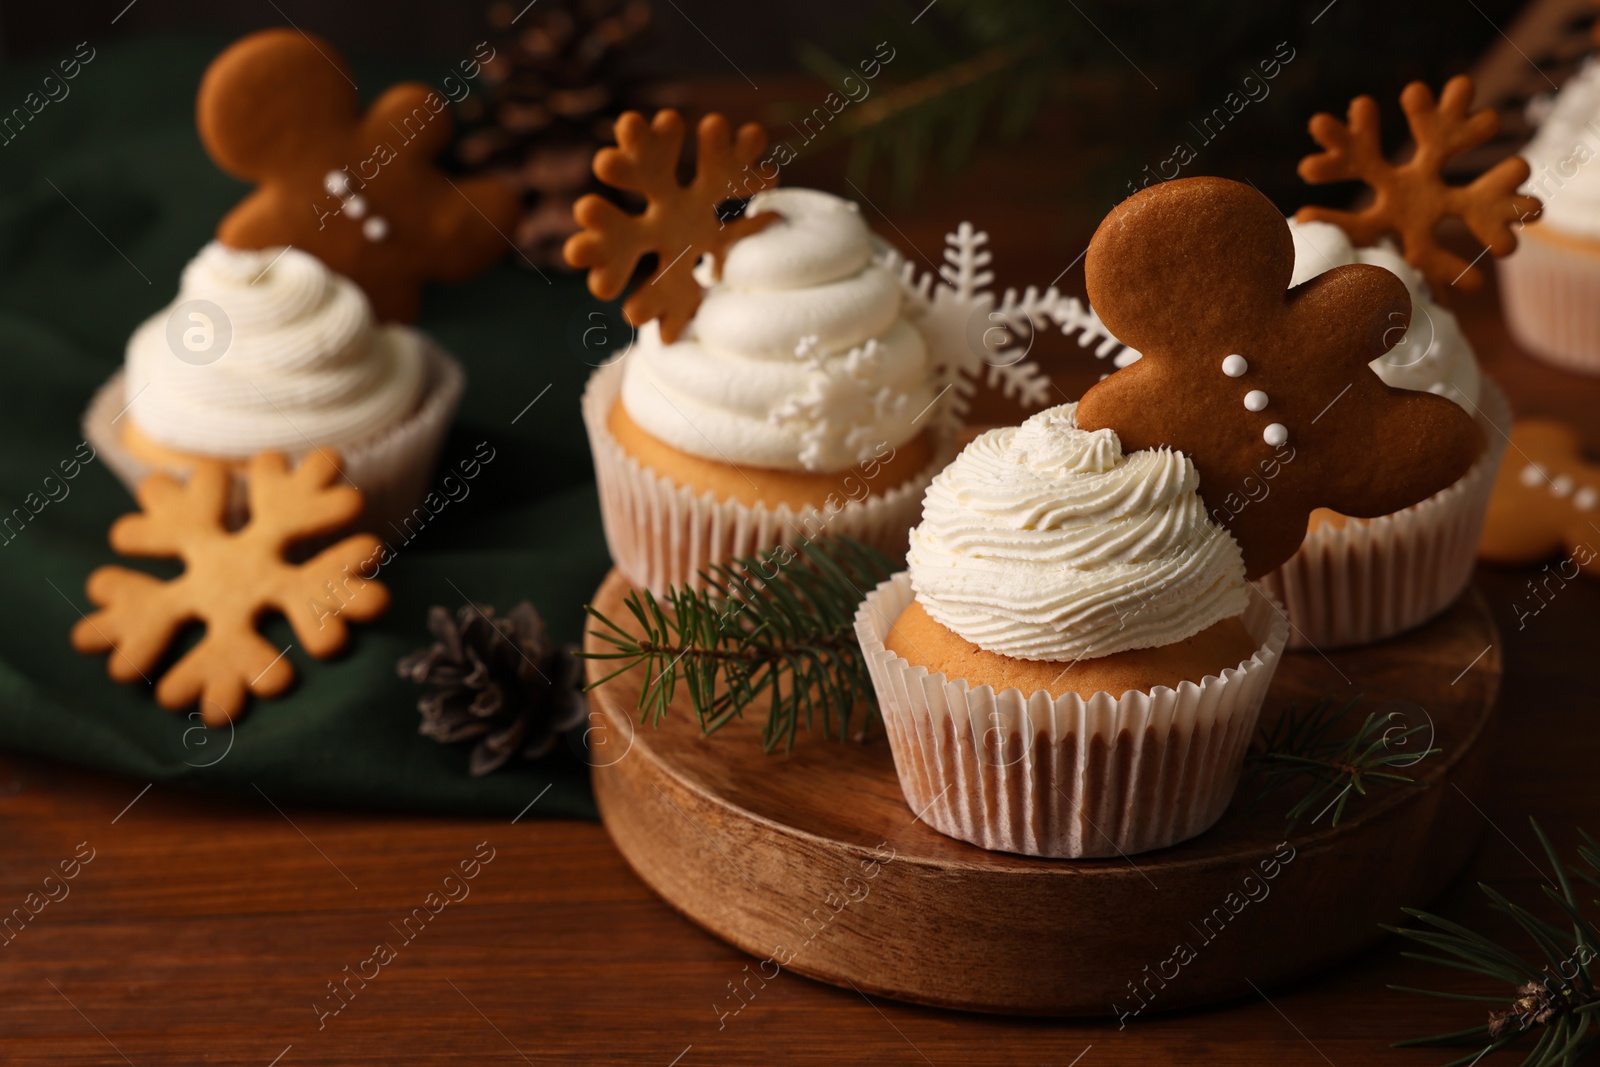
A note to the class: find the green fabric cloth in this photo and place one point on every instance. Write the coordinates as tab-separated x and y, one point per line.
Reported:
104	196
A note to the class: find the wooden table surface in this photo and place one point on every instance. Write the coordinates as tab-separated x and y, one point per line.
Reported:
212	930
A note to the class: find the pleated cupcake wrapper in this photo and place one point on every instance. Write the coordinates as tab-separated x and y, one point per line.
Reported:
662	534
1548	288
393	468
1369	580
1066	777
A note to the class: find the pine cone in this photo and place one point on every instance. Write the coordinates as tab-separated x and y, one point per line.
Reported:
551	94
500	680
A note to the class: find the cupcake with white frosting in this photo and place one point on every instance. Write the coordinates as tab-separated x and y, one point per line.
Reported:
271	351
1548	285
799	401
1354	581
1073	663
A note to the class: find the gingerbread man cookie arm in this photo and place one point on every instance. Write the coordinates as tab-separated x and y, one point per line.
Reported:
413	117
1546	500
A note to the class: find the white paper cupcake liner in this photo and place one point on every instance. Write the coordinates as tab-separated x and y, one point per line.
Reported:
662	534
1373	579
1066	777
1547	287
393	468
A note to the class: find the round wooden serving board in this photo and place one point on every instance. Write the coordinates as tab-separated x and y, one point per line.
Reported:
812	862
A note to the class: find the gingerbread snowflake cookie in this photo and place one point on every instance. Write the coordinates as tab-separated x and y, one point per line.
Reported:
680	223
231	579
1411	198
359	190
1239	370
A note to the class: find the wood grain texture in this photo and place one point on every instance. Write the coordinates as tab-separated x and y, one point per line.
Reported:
811	860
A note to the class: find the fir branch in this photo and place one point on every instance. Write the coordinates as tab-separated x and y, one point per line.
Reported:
781	626
947	99
1304	746
1557	1000
964	75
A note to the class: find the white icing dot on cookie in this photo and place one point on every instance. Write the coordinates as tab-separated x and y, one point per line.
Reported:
1585	499
1275	435
1234	366
1562	486
1255	400
1531	475
355	207
375	228
337	182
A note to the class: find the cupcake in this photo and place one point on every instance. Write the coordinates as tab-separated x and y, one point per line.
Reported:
782	393
270	350
1355	581
1073	663
1547	287
798	401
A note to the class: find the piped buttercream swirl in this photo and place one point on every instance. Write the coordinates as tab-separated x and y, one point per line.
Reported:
304	363
799	358
1564	155
1047	542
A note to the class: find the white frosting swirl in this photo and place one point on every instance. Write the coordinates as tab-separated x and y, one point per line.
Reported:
305	364
799	359
1045	542
1565	156
1433	356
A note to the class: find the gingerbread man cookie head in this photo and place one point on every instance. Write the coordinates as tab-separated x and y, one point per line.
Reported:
358	190
1411	198
1266	388
680	223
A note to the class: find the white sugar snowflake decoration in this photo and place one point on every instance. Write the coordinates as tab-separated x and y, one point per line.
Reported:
1074	316
838	410
973	337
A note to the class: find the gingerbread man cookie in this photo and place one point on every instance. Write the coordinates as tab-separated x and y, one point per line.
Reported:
1546	501
359	191
1245	375
231	579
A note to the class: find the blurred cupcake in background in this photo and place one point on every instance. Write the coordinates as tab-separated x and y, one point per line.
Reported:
1548	286
271	350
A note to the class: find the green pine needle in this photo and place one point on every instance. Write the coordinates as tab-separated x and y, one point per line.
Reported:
1302	746
1552	1002
781	626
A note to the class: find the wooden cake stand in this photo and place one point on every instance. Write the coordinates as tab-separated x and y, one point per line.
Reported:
812	862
